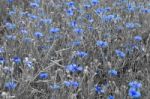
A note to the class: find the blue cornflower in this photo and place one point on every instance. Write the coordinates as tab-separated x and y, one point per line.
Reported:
120	53
99	89
135	84
10	26
24	31
100	11
131	25
73	23
29	64
2	60
133	93
10	1
67	83
32	16
87	6
2	50
71	4
102	44
43	75
112	72
11	37
46	21
70	12
34	5
16	59
138	38
54	30
111	97
78	30
81	54
74	84
11	13
10	85
74	68
38	35
94	2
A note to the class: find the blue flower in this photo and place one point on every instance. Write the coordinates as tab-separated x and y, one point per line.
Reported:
111	97
38	35
2	60
11	37
43	75
120	53
2	50
70	12
10	1
16	60
73	23
102	44
71	4
138	38
112	72
34	5
94	2
10	85
78	30
81	54
54	30
74	84
10	26
11	13
133	93
74	68
87	6
99	89
135	84
46	21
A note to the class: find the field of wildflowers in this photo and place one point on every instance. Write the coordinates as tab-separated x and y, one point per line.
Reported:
79	49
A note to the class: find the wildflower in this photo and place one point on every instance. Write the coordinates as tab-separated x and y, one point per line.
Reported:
2	50
74	68
111	97
135	84
11	13
11	37
87	6
24	31
70	12
81	54
112	72
74	84
16	60
94	2
78	30
133	93
10	85
71	4
2	60
10	1
99	89
54	30
46	21
38	35
34	5
8	70
120	53
43	75
102	44
73	23
138	38
10	26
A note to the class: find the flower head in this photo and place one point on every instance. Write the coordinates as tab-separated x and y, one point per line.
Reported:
74	68
133	93
10	85
99	89
102	44
16	60
135	84
43	75
38	35
138	38
120	53
81	54
112	72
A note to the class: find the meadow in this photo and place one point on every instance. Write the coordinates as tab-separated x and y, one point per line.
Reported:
79	49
